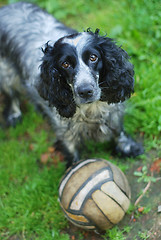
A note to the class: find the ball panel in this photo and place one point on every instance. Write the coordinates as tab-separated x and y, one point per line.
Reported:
78	177
99	177
70	172
112	190
108	206
89	227
120	180
78	218
95	215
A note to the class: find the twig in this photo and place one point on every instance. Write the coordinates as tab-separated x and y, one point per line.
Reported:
141	196
144	191
157	179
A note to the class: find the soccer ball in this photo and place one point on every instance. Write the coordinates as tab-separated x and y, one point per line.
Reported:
94	194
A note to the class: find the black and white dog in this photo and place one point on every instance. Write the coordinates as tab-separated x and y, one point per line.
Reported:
78	80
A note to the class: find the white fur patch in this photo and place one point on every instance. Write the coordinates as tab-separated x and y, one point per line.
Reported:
78	41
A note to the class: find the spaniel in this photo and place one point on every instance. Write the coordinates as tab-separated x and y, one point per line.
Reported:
78	80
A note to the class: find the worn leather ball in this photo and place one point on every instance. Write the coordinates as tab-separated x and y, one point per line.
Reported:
94	194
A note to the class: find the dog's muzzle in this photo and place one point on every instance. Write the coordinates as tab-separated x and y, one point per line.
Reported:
86	93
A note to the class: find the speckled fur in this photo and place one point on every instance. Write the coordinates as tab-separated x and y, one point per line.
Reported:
24	30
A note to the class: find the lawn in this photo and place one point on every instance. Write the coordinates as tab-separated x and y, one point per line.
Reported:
30	170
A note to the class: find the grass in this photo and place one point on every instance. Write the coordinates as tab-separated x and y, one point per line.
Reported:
29	207
116	233
29	190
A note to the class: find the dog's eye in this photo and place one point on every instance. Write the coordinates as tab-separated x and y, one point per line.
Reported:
93	58
65	65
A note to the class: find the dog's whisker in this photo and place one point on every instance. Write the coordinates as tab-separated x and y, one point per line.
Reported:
104	87
102	82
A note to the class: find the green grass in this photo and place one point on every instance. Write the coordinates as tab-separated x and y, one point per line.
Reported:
29	190
29	207
116	234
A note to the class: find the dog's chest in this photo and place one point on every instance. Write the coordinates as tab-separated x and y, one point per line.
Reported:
91	121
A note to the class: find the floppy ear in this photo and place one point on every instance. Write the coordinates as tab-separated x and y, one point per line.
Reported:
53	87
116	82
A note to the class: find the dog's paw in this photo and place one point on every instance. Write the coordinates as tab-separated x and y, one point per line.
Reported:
13	119
127	147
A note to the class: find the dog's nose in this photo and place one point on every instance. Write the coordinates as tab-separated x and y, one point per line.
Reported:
85	91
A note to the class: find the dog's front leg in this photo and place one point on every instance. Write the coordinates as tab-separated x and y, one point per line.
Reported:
69	151
127	147
124	144
12	112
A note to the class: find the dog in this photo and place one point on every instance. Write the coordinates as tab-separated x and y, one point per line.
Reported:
79	80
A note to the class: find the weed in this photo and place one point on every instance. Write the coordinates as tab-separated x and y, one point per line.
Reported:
143	235
143	176
117	234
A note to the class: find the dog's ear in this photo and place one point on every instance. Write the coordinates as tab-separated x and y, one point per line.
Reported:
53	87
117	77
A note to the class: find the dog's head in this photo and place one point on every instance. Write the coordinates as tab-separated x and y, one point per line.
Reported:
83	68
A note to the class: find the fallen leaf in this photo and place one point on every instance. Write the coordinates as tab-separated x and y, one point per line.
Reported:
139	169
44	158
31	147
57	156
51	149
156	166
85	234
140	209
142	134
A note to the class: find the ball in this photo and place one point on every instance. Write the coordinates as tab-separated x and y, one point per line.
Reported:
94	194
